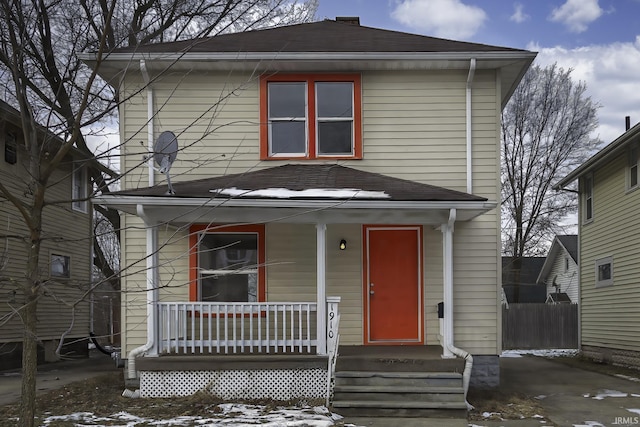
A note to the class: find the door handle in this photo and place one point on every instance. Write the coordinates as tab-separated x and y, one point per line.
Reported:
371	291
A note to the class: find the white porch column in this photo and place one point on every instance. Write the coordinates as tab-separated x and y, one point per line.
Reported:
321	286
447	263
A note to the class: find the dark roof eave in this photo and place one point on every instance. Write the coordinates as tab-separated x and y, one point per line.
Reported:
602	156
130	204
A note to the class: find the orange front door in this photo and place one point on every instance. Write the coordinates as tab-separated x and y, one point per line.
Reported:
392	285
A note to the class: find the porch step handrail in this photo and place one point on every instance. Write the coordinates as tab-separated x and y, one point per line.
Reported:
236	327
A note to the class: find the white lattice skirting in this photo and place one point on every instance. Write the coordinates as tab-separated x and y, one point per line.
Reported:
280	384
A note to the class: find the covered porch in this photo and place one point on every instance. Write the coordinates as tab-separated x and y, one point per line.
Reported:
305	331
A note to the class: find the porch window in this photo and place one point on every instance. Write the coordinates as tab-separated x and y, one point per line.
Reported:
310	116
228	264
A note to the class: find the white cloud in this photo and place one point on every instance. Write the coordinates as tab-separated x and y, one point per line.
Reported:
577	14
441	18
610	72
518	14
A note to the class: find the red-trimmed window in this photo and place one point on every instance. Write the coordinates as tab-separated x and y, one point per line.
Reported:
310	116
226	263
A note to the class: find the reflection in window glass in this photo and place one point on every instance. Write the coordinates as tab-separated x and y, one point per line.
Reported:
228	267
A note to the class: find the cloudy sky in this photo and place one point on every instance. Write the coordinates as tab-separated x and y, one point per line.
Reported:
598	39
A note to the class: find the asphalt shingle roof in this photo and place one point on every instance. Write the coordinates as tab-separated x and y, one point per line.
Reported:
303	177
570	242
322	36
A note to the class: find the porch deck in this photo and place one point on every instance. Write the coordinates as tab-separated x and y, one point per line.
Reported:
350	357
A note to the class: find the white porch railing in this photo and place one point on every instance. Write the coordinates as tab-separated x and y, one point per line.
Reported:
236	327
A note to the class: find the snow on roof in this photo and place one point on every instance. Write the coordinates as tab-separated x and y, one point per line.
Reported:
310	193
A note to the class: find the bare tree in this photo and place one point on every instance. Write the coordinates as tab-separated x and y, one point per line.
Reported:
41	75
546	131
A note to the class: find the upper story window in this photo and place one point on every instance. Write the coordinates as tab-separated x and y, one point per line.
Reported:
10	148
79	189
310	116
227	264
634	153
588	197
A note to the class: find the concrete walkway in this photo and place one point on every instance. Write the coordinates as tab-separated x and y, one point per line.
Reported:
55	375
570	396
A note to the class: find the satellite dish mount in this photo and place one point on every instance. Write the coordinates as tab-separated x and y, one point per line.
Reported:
165	152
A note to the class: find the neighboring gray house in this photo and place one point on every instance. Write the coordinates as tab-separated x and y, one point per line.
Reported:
559	272
65	255
609	247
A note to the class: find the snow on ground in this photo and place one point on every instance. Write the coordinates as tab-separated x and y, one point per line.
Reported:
227	415
590	424
542	353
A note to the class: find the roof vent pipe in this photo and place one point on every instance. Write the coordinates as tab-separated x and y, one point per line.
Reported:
627	123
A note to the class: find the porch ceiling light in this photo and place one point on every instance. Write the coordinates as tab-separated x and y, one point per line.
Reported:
343	245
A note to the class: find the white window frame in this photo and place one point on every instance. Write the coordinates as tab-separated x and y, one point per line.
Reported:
10	147
302	119
588	198
65	261
79	188
328	119
633	167
204	273
600	283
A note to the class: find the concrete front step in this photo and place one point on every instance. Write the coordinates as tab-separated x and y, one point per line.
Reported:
398	364
409	379
399	393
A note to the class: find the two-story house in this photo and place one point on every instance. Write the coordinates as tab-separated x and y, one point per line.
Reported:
609	201
321	172
65	254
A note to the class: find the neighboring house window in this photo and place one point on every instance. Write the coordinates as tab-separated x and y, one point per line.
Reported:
227	264
60	266
566	264
79	193
10	148
604	272
588	197
633	166
310	116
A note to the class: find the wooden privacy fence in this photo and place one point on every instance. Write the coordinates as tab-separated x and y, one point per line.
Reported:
539	326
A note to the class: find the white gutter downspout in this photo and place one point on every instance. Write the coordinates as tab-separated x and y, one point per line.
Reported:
449	348
472	70
152	245
150	115
152	296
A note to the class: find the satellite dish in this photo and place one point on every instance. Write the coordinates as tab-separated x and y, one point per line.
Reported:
165	152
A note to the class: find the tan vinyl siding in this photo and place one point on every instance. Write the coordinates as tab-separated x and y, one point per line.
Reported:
64	232
610	314
413	128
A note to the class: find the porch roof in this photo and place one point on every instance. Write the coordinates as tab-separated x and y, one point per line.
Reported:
300	193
